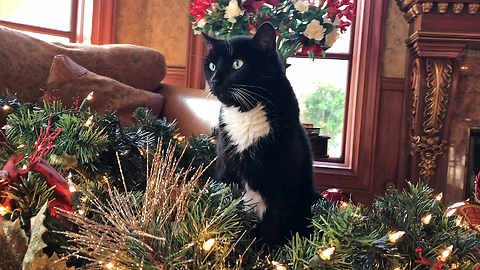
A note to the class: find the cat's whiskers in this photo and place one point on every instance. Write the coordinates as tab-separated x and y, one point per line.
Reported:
199	56
252	101
240	99
248	99
247	95
253	86
207	94
250	93
247	103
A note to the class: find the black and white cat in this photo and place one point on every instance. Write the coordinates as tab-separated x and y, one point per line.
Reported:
262	146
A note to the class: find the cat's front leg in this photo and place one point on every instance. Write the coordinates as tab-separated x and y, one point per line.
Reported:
224	174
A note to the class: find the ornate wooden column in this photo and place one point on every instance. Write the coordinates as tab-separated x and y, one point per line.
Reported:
439	31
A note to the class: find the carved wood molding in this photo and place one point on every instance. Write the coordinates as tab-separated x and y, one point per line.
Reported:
434	46
413	8
415	86
439	78
438	83
429	148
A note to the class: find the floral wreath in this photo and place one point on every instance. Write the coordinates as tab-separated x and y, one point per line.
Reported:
303	26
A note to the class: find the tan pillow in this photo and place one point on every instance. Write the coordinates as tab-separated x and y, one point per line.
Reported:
68	80
25	63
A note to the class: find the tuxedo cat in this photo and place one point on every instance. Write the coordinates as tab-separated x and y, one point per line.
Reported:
262	146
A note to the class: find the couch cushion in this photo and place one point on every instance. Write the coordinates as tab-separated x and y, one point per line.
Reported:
71	83
25	63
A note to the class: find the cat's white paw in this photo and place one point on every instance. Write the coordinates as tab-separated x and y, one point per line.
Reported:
254	201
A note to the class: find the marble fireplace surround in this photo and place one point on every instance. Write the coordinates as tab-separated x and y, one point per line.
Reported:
465	115
443	68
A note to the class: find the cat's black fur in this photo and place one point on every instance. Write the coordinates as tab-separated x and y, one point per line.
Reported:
279	165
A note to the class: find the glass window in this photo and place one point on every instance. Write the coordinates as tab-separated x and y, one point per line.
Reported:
321	87
51	14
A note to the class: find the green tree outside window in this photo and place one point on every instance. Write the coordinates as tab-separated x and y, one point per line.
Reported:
325	108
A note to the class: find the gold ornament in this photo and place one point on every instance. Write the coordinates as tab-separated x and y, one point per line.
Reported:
473	8
429	149
427	7
442	7
467	211
457	8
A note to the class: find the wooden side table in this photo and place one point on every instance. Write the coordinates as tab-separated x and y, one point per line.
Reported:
319	146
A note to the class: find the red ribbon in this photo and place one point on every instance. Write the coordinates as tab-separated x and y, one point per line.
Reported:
61	193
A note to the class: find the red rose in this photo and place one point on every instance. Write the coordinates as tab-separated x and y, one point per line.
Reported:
198	7
316	48
343	26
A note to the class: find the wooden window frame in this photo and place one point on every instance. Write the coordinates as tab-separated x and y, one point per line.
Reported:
347	57
355	171
103	25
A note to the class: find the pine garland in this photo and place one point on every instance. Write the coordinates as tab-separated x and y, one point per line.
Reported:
159	211
94	150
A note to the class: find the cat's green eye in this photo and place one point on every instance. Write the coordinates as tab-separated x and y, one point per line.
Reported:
237	64
211	66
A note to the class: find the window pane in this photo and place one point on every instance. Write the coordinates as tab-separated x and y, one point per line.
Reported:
48	38
320	87
87	22
52	14
342	45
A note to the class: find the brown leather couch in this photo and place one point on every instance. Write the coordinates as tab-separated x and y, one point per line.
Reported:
193	111
125	76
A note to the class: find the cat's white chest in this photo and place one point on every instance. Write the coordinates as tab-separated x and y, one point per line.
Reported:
254	201
245	128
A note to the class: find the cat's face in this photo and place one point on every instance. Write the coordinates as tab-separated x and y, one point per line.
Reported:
238	69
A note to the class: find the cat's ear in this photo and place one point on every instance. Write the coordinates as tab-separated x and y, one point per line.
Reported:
265	37
209	40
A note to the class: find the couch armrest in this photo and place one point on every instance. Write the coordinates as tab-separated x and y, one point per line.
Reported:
195	114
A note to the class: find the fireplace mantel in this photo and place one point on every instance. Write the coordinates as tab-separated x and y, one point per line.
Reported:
439	32
413	8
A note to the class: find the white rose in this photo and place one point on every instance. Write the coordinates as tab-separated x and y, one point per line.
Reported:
215	7
201	23
232	11
314	30
302	5
336	22
332	37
